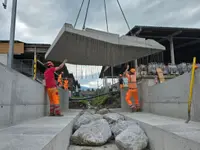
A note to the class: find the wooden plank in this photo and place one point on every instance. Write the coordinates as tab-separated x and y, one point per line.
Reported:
18	48
160	75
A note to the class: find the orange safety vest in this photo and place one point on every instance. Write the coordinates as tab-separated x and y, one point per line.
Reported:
66	84
132	83
60	79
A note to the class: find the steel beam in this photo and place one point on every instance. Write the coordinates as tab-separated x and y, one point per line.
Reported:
138	32
188	43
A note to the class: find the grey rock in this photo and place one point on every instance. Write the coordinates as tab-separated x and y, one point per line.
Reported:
133	138
113	117
103	111
120	126
95	133
85	119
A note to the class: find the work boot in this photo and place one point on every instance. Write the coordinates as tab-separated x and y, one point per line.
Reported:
59	115
137	108
133	108
51	114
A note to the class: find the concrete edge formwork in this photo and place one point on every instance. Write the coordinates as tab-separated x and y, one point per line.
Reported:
62	141
170	133
82	46
42	134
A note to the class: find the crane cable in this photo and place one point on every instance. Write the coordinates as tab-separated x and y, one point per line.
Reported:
86	14
106	16
123	15
79	13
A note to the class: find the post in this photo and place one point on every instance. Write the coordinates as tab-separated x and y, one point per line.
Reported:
12	34
35	64
112	74
136	64
172	50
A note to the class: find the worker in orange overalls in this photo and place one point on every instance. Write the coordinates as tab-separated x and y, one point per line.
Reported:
66	84
60	80
132	89
121	82
51	87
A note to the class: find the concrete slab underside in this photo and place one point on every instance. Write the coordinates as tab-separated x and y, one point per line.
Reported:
42	134
167	133
92	47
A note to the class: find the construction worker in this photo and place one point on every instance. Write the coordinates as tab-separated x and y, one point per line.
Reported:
196	67
66	84
51	87
60	80
132	89
121	81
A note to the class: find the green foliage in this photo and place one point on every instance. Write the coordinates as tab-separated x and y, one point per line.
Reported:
99	101
84	102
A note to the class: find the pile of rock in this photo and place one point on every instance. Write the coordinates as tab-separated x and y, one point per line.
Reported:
92	129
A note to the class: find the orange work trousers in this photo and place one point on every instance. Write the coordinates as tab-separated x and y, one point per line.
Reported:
129	94
54	101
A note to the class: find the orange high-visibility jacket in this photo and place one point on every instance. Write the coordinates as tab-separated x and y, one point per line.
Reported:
66	84
132	84
60	79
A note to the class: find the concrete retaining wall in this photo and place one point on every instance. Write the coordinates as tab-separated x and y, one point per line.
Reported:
22	99
170	98
167	133
64	99
3	59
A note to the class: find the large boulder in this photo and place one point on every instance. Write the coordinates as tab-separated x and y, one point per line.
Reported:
113	117
133	138
95	133
120	126
103	111
85	119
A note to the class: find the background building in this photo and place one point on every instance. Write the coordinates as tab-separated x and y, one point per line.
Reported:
182	44
24	59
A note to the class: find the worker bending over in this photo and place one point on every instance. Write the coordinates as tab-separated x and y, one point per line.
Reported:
66	84
121	81
51	87
60	80
132	89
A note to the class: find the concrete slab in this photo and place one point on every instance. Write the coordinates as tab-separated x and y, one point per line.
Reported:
42	134
93	47
166	133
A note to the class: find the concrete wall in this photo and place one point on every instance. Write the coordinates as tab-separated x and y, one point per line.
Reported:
23	99
3	59
171	97
64	99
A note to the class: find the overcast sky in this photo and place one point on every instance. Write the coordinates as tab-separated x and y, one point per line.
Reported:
39	21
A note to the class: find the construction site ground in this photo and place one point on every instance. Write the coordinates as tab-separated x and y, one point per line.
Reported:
165	133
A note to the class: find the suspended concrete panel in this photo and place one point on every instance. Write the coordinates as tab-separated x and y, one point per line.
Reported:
92	47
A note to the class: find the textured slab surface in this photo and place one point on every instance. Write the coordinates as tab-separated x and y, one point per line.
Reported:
92	47
41	134
167	133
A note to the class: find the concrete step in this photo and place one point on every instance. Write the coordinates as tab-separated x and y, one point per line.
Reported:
46	133
166	133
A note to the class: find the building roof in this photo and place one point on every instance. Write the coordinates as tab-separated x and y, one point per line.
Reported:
185	40
182	37
7	41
